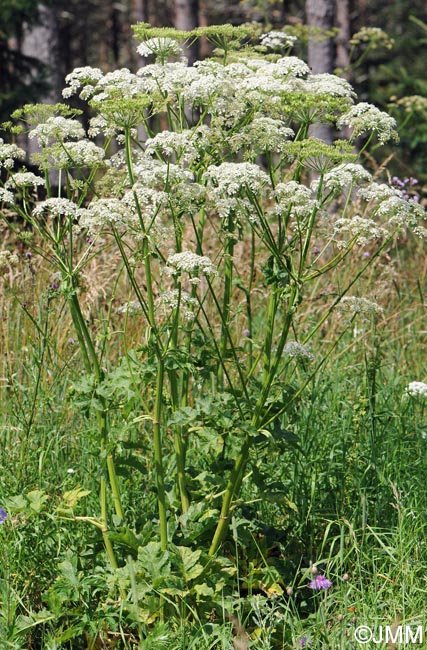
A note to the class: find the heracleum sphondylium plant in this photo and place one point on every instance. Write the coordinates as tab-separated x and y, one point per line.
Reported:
179	165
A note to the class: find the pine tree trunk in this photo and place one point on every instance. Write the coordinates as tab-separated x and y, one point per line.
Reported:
344	25
42	42
187	18
321	55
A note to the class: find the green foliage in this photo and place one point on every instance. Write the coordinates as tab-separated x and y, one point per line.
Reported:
184	457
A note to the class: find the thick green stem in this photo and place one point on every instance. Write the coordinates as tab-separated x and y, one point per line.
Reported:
268	341
179	444
233	487
228	286
92	365
236	476
158	456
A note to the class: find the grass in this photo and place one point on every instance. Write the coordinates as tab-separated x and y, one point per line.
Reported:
344	492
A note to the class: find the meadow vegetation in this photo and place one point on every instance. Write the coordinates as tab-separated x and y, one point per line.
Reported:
213	411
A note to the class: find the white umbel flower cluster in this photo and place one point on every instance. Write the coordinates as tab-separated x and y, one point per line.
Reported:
169	143
394	208
85	78
298	351
362	229
153	172
6	196
119	83
275	40
57	129
104	212
343	176
233	178
263	134
229	186
24	179
364	117
7	259
174	299
329	84
294	200
291	65
83	153
417	389
55	207
9	153
366	309
161	47
378	192
190	263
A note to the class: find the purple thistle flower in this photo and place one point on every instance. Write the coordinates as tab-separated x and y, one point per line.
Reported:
320	582
3	515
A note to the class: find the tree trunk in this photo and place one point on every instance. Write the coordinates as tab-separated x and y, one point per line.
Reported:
187	18
344	25
42	42
321	55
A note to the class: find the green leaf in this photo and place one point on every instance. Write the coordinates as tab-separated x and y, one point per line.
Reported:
37	499
204	590
16	504
24	623
190	567
153	560
71	497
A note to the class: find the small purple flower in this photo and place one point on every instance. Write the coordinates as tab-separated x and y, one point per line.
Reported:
320	582
3	515
366	254
396	181
246	333
315	250
304	641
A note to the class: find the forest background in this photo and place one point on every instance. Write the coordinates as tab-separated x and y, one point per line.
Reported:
40	42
